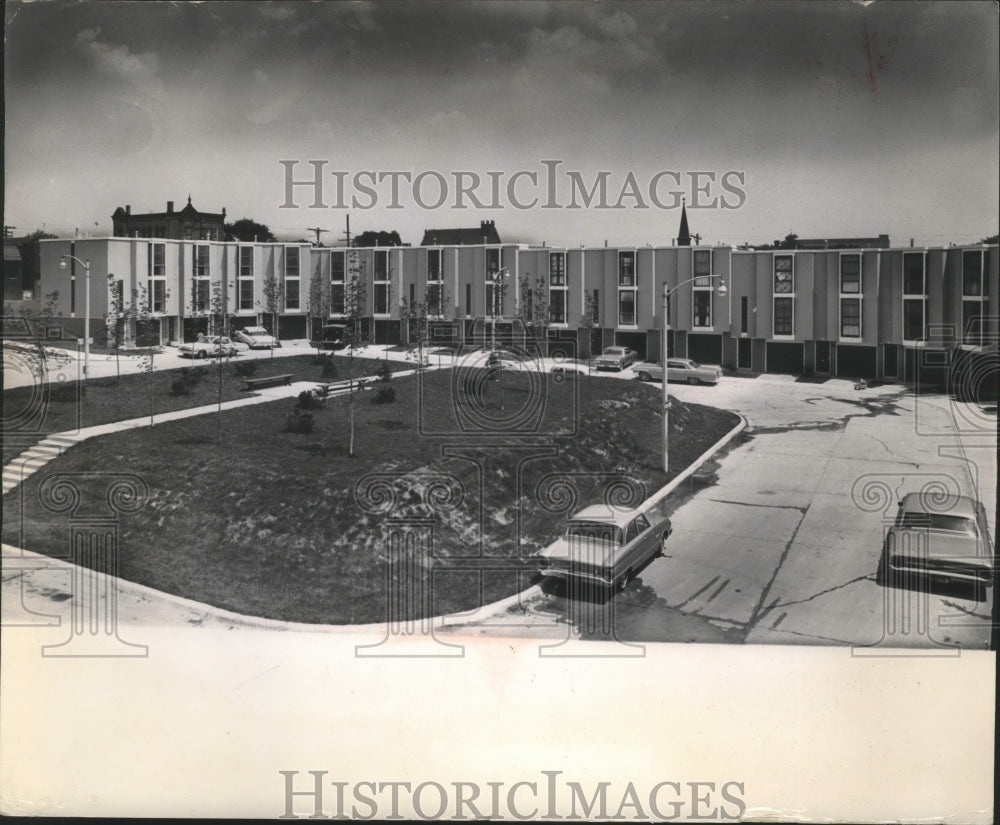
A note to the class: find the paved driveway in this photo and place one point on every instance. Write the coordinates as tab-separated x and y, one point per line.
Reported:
779	541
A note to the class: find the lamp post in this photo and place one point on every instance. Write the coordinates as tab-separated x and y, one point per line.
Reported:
86	309
667	291
499	277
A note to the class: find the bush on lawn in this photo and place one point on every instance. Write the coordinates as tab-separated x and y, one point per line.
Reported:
308	400
246	369
384	395
299	422
329	371
67	391
187	380
383	373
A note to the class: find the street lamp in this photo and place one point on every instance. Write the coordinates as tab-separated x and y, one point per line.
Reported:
499	277
86	308
667	291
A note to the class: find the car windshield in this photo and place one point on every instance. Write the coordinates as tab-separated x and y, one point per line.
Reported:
939	521
588	532
614	351
694	365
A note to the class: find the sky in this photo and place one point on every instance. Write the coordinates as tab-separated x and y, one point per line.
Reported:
823	119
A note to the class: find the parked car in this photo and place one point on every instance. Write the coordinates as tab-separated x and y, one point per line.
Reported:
615	358
211	346
945	538
256	338
678	369
332	337
606	545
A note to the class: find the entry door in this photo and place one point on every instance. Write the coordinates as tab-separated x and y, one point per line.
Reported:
743	353
823	356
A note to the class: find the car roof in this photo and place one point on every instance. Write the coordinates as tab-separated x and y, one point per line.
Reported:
951	505
605	513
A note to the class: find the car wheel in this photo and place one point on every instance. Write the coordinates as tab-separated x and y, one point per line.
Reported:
645	376
663	544
200	354
693	380
625	578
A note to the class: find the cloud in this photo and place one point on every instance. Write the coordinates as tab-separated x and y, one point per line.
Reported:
140	70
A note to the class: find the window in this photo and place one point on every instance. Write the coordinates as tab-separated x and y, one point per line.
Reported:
468	300
337	271
703	308
380	298
626	307
850	274
973	294
157	296
783	316
435	283
627	289
558	297
292	283
744	315
914	296
494	290
783	275
784	286
626	269
245	271
702	266
157	260
381	265
201	261
201	298
595	308
850	318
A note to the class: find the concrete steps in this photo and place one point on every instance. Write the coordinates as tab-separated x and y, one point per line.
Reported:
33	459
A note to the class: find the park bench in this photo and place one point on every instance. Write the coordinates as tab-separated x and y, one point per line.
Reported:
269	381
324	390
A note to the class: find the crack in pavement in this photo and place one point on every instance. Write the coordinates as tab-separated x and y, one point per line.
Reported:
759	611
801	509
868	577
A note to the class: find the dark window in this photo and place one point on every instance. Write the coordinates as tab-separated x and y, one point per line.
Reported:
595	307
381	299
291	294
850	274
972	273
468	299
201	296
744	314
157	260
433	264
557	306
158	296
381	266
434	299
626	269
702	267
850	318
246	261
337	266
291	262
201	255
492	262
702	308
413	295
246	294
913	319
783	316
557	269
913	273
337	298
626	308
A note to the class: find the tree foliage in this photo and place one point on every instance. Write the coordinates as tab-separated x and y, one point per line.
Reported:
246	229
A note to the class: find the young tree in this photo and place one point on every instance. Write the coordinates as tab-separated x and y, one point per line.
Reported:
419	315
116	322
147	330
274	302
589	322
35	330
320	303
221	325
533	308
355	299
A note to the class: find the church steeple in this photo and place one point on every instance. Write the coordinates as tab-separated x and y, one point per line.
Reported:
684	234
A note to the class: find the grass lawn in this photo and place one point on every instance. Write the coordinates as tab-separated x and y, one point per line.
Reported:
109	399
273	524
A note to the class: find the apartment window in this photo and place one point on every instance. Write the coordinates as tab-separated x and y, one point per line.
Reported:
245	271
157	296
914	296
557	287
744	315
494	291
337	272
435	282
200	262
973	294
202	295
783	317
468	300
783	274
292	282
380	285
850	317
702	308
157	260
627	289
701	264
850	274
595	307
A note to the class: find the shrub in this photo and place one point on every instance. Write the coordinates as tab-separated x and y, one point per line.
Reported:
309	401
246	369
299	422
179	387
67	391
187	380
384	395
329	371
383	373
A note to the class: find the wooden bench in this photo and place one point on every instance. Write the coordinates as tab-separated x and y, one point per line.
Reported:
269	381
324	390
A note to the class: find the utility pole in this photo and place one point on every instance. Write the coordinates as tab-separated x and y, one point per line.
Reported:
7	231
317	230
347	236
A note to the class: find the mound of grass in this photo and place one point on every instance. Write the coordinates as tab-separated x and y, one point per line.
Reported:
286	525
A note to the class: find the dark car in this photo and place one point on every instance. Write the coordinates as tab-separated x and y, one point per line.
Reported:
332	336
